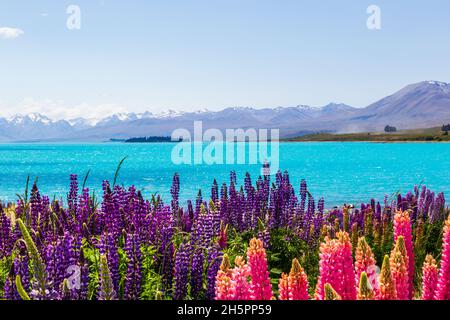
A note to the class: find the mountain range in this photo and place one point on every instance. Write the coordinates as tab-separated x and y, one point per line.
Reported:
419	105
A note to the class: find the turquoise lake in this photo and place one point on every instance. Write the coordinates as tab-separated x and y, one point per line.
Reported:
339	172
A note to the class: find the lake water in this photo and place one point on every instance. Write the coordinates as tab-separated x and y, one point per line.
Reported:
340	172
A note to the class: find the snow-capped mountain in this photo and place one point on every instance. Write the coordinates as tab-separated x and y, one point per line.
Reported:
419	105
33	126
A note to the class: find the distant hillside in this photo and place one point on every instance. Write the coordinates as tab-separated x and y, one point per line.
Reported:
418	135
421	105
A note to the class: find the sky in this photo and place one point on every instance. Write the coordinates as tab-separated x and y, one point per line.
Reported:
194	54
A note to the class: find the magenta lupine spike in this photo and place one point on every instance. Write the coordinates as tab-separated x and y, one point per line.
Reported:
336	267
295	285
402	227
241	287
259	273
399	269
443	286
365	262
430	273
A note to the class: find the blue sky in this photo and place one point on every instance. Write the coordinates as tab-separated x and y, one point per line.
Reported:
192	54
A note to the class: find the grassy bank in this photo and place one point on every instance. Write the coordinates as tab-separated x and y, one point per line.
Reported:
429	134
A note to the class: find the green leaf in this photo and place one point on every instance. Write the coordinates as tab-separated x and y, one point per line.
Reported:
37	262
23	294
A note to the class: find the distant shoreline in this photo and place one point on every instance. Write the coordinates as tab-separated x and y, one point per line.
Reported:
403	136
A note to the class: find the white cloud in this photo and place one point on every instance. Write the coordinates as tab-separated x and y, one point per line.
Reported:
10	33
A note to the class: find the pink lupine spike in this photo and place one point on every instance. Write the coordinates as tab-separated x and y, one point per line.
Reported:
224	287
294	286
297	282
365	262
387	290
443	285
402	227
239	280
261	289
336	267
283	287
399	269
429	278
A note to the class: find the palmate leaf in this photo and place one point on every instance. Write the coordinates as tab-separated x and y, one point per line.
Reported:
37	262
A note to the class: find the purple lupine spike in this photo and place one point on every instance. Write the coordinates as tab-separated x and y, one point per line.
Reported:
247	183
133	275
421	202
215	191
9	291
197	272
35	206
181	271
232	177
264	236
438	208
168	265
207	228
72	198
175	192
108	246
84	282
318	220
6	236
377	214
198	203
278	179
214	260
309	218
21	267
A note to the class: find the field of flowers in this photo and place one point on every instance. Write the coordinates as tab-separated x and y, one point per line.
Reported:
262	240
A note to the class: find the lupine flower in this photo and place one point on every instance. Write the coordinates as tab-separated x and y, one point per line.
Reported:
214	262
294	286
283	287
181	271
399	269
330	293
365	291
430	272
365	262
239	280
106	286
443	286
197	272
260	285
224	287
402	227
336	267
126	230
387	290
